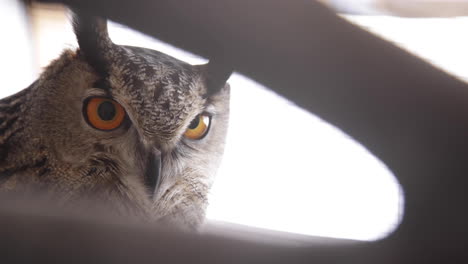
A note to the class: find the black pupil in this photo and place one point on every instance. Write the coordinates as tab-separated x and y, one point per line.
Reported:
106	111
195	122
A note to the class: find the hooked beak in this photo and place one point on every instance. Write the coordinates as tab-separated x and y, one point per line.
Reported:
153	172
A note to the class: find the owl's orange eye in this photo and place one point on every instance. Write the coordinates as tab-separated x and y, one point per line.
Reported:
198	128
104	113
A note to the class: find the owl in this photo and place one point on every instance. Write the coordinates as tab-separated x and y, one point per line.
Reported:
124	126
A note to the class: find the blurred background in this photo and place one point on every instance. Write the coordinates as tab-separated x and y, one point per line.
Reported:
284	169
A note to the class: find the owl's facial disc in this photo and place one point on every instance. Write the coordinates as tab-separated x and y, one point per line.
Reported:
107	115
156	125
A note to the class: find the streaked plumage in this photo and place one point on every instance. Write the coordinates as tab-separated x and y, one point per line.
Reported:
47	142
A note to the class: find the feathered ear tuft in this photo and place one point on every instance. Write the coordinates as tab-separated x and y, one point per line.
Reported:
93	40
216	73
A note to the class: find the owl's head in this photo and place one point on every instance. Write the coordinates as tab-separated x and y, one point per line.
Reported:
131	126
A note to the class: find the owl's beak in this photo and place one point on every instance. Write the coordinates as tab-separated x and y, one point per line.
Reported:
153	172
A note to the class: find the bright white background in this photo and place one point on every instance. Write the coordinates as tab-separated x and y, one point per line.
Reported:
284	169
16	52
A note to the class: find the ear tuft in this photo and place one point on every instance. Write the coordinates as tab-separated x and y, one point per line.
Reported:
217	72
93	40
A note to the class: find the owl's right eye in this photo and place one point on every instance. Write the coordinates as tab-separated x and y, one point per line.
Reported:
103	113
199	127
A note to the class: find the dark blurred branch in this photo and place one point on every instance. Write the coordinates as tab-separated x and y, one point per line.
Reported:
41	232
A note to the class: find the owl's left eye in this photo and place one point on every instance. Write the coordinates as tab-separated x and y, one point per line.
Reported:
103	113
199	127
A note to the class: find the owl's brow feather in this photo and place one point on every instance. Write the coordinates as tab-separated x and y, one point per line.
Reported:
104	85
